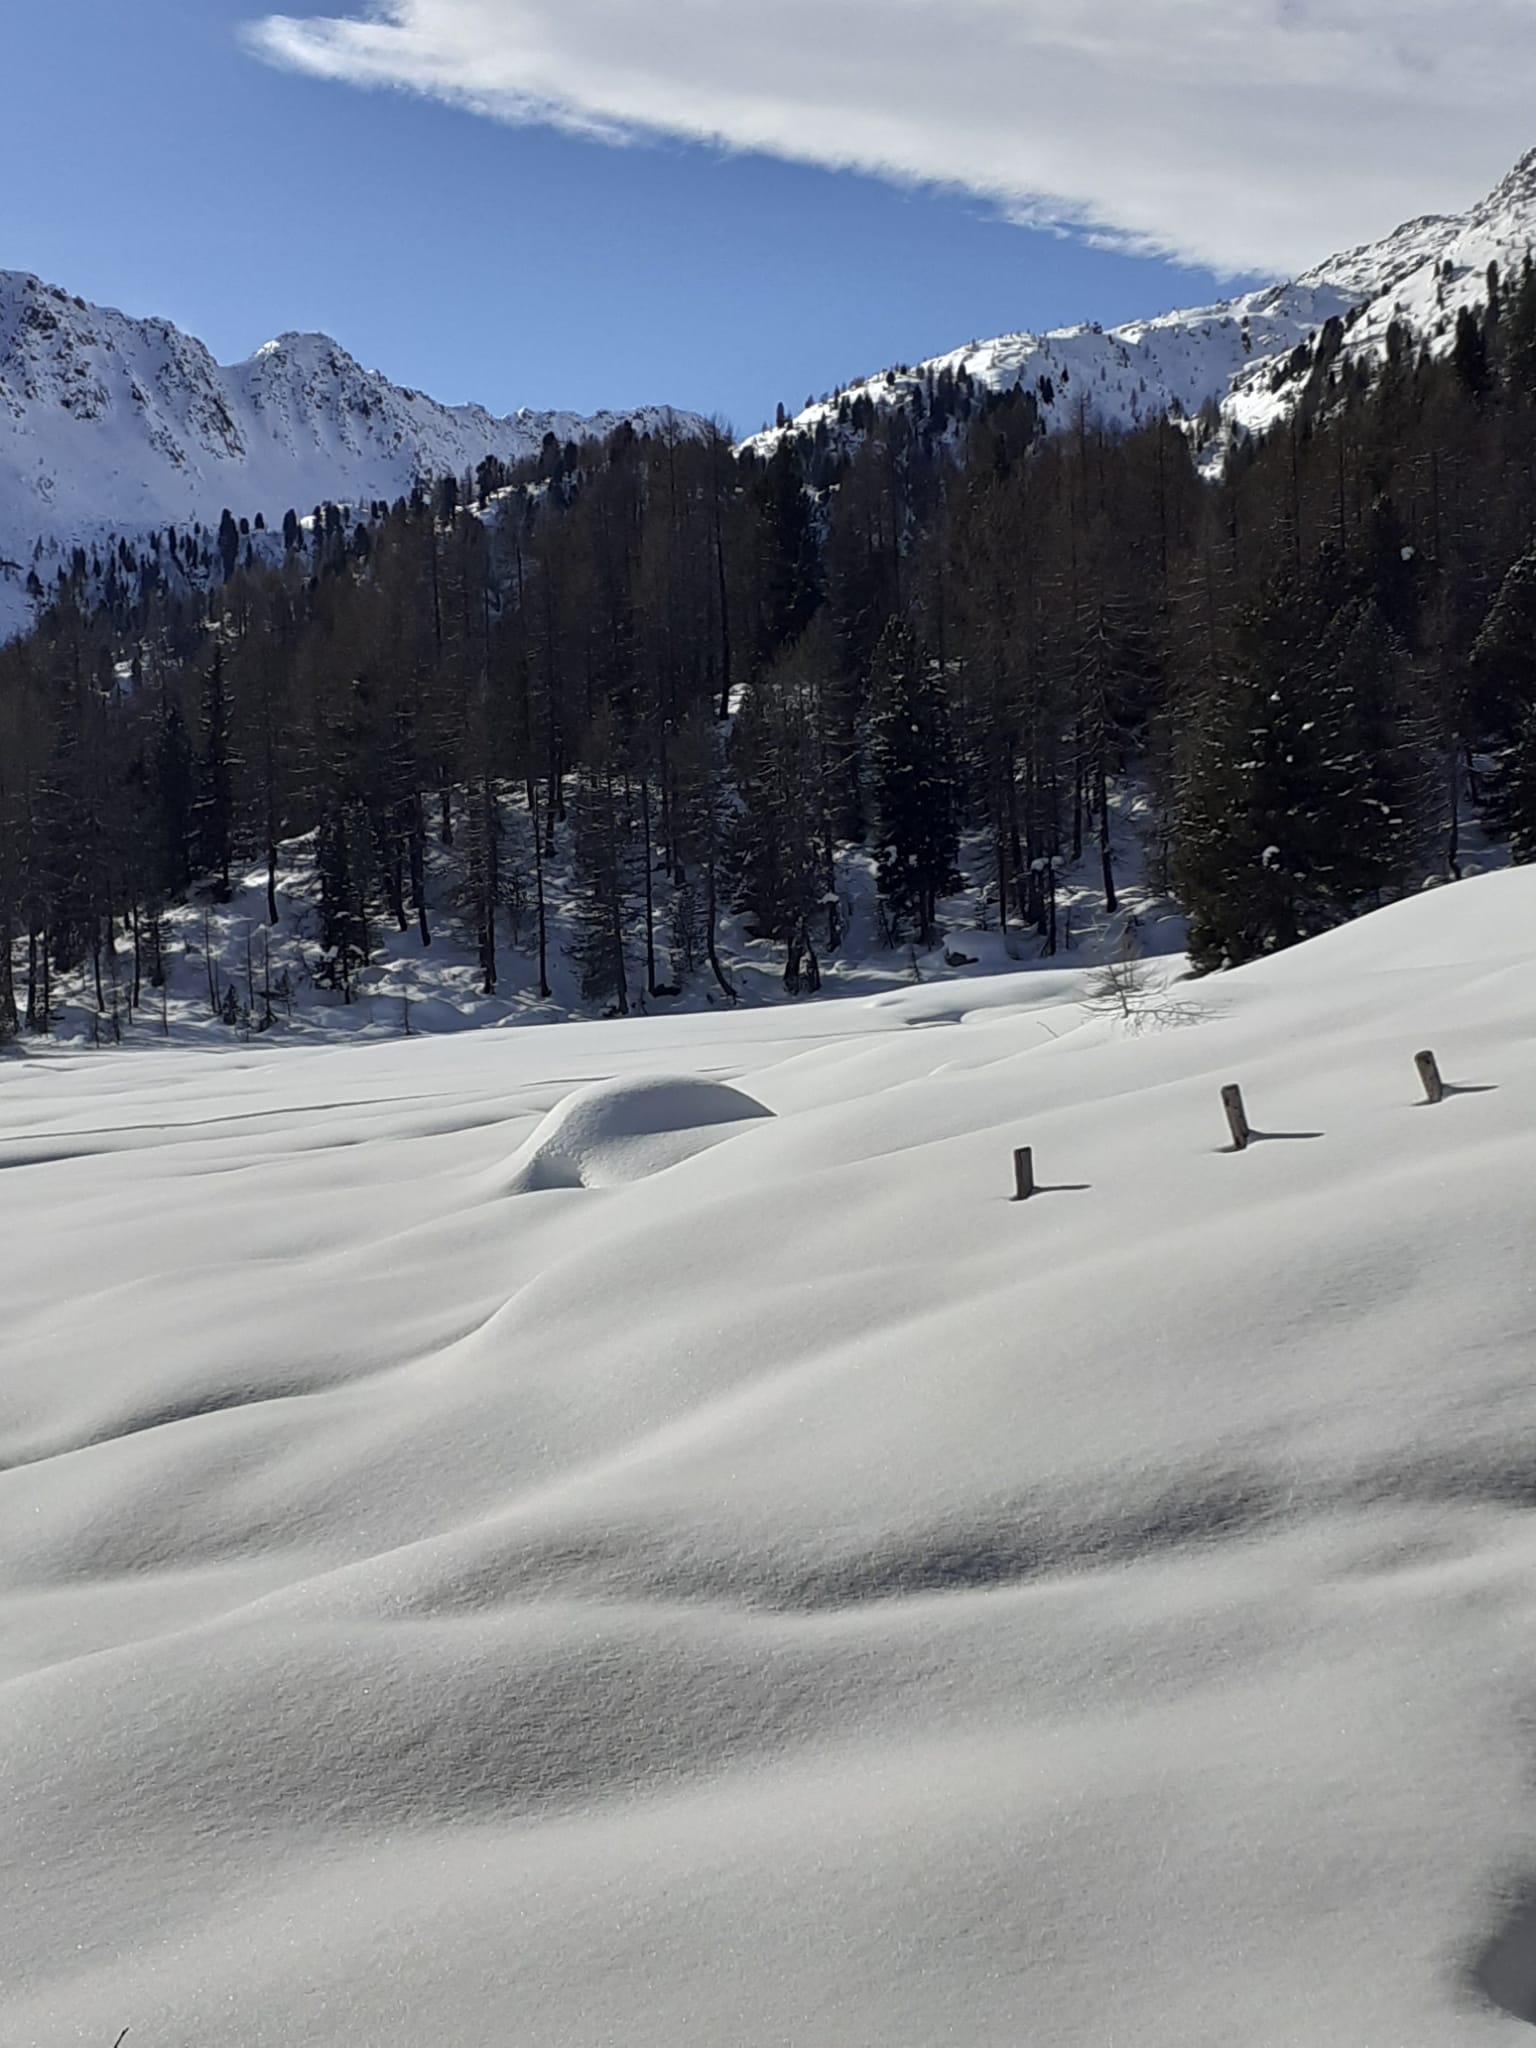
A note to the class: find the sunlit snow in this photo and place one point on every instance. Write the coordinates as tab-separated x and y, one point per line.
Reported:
624	1533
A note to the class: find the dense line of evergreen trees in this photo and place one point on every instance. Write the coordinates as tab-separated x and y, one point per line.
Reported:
920	628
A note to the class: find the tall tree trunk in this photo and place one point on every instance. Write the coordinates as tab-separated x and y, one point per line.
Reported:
1015	839
711	921
650	887
490	890
418	857
725	631
7	983
616	910
1079	802
1106	855
394	875
538	889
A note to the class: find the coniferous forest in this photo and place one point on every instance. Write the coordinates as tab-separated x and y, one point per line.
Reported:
695	673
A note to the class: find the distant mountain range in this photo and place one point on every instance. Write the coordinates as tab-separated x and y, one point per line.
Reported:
115	427
111	426
1245	361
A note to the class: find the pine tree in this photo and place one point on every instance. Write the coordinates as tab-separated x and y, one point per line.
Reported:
789	575
781	836
1469	354
1253	851
214	816
598	911
1379	773
173	782
1504	652
1511	808
911	759
344	860
229	543
1518	334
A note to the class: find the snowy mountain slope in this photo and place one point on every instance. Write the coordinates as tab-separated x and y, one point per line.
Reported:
111	426
1123	376
1422	276
114	425
766	1586
1233	355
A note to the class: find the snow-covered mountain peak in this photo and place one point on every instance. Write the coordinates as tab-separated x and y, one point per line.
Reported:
1518	186
1372	267
1248	357
298	343
115	426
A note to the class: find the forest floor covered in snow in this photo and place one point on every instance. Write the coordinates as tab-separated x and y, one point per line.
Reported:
624	1533
230	976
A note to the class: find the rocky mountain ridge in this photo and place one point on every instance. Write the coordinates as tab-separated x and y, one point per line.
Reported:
1243	362
113	426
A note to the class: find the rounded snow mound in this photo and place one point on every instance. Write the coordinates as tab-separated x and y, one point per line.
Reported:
614	1132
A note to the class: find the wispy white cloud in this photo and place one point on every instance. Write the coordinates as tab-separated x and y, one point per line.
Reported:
1245	134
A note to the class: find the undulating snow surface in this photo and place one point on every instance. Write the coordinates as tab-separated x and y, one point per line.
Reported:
624	1534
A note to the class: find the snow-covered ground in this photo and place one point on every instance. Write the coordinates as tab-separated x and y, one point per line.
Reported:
212	949
625	1534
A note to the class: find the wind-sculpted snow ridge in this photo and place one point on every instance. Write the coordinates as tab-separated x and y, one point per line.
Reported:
116	426
1247	359
628	1534
615	1132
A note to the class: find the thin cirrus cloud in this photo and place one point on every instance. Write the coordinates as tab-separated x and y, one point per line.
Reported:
1240	134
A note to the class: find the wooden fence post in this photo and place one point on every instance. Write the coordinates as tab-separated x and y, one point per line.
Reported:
1429	1074
1237	1117
1023	1174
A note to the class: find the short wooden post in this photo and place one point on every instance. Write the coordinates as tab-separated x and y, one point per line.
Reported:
1237	1117
1023	1174
1429	1074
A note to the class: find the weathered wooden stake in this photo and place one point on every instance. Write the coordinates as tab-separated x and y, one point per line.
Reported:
1429	1074
1237	1117
1023	1174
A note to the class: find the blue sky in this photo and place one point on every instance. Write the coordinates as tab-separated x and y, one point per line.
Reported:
152	161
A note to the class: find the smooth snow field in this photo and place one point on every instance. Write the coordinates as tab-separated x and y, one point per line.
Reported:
624	1534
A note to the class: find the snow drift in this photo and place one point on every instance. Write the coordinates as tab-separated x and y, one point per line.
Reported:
615	1132
798	1594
